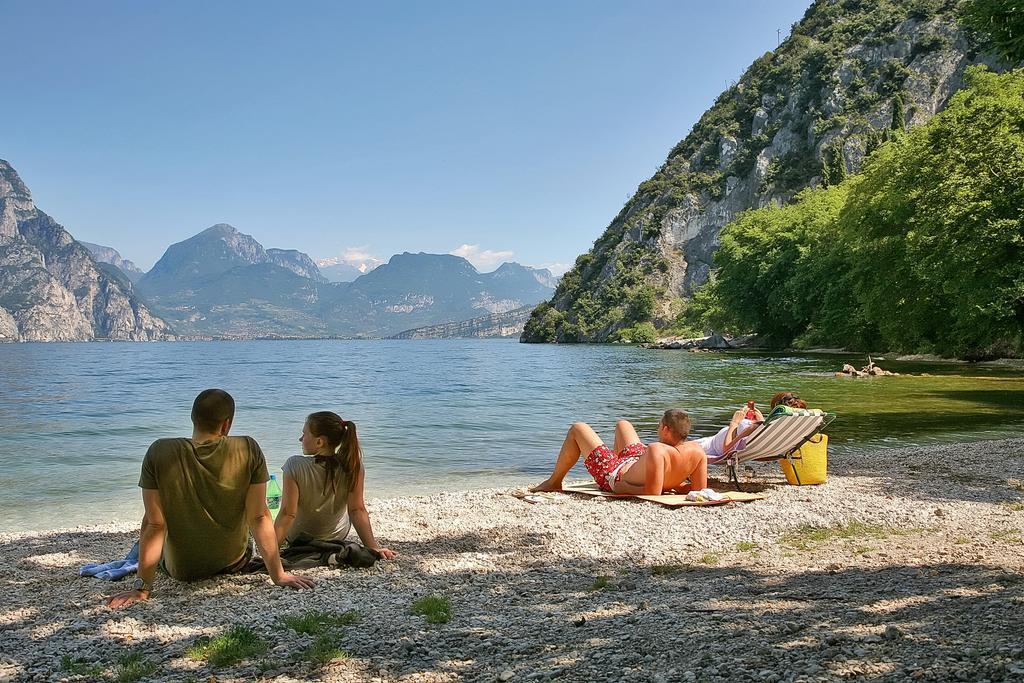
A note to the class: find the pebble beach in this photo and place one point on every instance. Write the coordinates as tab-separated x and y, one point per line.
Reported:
906	565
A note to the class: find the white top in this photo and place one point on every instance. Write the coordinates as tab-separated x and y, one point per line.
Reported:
323	515
714	446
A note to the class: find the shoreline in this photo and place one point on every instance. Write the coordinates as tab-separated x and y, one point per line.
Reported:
867	576
898	356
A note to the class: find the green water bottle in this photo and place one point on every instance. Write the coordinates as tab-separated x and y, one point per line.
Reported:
273	496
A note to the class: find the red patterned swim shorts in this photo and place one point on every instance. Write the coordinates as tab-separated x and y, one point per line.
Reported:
602	461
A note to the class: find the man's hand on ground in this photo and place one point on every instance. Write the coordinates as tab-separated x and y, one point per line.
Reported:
293	581
119	600
387	553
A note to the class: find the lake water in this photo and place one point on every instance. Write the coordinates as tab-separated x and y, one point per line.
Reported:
76	419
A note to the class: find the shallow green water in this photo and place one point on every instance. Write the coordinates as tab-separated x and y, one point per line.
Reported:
929	402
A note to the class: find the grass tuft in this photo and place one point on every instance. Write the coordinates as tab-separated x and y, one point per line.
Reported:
326	648
240	642
436	608
746	546
133	667
803	537
710	559
315	623
600	583
80	667
1016	506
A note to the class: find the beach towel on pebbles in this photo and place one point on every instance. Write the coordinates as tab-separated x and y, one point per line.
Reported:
116	570
668	500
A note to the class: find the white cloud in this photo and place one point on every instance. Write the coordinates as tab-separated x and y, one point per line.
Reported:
483	259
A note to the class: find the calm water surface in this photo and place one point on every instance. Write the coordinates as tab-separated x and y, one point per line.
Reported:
76	419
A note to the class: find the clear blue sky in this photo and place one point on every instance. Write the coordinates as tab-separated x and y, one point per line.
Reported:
518	126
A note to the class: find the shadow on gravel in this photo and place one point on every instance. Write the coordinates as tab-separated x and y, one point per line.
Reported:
575	620
723	622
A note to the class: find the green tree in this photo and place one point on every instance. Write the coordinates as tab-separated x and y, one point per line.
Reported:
1001	23
544	324
833	168
935	226
768	278
923	251
641	333
899	115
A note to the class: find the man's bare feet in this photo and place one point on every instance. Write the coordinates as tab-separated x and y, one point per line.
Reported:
546	485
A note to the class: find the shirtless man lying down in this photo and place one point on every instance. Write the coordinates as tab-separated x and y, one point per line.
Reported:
632	467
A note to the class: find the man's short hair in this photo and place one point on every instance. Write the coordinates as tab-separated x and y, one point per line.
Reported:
211	408
677	421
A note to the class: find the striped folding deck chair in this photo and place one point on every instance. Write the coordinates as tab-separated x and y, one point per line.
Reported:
782	433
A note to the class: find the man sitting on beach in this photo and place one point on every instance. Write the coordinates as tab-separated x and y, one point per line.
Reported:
633	467
202	497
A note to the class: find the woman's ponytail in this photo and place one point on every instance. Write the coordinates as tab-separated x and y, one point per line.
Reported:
352	457
346	455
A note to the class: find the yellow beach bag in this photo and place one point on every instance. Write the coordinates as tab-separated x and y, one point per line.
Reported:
810	462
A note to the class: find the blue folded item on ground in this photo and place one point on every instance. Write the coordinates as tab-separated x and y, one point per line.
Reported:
116	570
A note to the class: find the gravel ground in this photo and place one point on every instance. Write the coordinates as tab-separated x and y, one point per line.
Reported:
913	571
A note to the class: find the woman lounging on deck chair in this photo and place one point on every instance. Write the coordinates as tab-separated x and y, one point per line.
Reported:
781	434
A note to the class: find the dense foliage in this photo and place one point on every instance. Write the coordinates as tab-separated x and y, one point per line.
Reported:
1001	22
922	251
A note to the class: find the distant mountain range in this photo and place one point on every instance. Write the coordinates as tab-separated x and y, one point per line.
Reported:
415	290
222	283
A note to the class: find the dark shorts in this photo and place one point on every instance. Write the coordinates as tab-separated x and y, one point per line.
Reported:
602	460
234	568
242	562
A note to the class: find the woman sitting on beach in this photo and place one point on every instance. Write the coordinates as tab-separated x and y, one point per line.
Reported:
731	438
323	495
633	467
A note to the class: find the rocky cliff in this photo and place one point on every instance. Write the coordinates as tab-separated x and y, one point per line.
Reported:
803	115
51	288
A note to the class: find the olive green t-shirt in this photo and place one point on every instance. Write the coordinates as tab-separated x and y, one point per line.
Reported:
202	489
